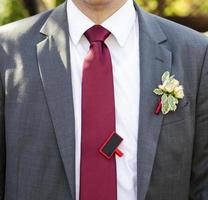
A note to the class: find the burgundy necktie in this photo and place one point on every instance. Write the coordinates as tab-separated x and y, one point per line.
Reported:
97	174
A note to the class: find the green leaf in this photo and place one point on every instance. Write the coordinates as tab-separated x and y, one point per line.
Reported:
176	100
175	107
171	78
164	98
165	108
158	91
165	76
171	102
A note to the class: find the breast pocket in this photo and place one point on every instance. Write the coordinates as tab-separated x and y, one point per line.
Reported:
182	112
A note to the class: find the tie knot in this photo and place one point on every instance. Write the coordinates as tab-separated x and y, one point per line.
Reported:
97	33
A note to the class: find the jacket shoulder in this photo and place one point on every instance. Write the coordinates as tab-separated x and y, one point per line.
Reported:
20	36
181	34
15	30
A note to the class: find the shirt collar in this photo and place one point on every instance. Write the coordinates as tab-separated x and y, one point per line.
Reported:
119	24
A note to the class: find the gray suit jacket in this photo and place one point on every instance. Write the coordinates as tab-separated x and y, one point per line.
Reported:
37	141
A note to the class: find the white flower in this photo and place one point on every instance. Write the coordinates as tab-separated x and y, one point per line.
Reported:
178	92
170	91
175	82
169	85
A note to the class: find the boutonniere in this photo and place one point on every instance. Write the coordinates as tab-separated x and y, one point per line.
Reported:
170	91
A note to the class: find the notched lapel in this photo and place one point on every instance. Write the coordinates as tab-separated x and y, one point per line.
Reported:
53	59
155	60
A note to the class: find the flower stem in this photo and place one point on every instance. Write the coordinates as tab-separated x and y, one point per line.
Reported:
159	107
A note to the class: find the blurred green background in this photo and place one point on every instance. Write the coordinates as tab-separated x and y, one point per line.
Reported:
192	13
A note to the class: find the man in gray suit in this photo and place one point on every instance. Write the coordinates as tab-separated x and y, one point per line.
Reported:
39	143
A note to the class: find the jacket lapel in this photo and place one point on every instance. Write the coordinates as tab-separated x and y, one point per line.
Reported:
53	59
155	59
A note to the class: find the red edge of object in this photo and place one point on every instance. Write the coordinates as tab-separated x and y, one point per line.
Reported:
117	151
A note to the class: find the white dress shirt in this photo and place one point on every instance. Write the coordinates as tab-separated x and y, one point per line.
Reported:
123	44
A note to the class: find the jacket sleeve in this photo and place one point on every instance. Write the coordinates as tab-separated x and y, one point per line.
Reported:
2	140
199	176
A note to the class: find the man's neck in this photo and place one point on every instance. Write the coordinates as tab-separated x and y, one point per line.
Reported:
99	12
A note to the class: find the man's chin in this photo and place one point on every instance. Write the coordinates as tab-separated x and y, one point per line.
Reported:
96	3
